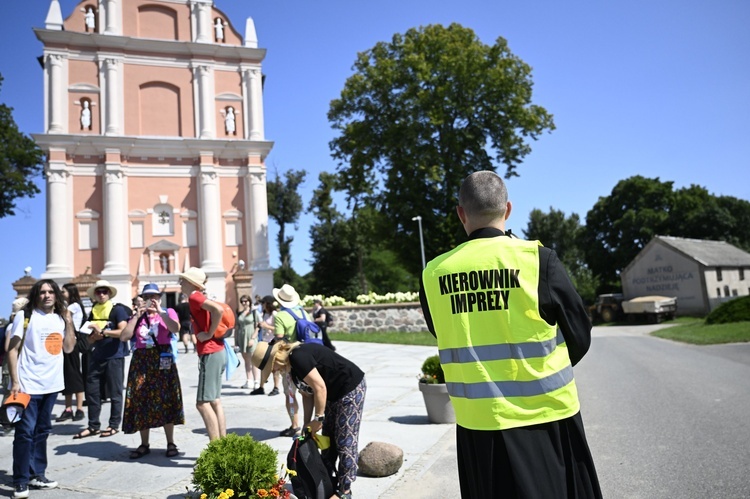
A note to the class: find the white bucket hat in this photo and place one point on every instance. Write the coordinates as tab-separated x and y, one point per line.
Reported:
195	276
286	296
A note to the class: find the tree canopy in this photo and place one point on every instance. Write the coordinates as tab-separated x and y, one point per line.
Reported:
284	207
20	161
418	115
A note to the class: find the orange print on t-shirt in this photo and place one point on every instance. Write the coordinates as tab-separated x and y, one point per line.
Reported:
54	343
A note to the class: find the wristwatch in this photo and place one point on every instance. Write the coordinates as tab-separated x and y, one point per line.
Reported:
320	418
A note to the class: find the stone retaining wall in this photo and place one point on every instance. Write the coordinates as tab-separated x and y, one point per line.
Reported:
405	317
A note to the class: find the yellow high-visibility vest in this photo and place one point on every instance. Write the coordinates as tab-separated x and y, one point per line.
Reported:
505	367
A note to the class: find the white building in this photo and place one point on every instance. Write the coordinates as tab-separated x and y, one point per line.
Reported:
701	274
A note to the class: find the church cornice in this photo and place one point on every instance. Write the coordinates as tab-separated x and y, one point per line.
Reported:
91	145
125	44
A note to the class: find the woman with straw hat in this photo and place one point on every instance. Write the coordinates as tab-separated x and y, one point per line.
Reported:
333	395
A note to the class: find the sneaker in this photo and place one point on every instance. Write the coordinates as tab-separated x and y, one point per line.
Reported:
258	391
66	415
21	491
42	482
275	391
79	415
290	432
245	386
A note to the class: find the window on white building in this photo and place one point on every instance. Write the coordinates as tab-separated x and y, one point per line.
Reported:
189	233
734	292
726	290
742	274
233	233
719	277
88	235
136	234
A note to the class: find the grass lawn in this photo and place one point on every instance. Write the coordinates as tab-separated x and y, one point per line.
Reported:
695	331
393	337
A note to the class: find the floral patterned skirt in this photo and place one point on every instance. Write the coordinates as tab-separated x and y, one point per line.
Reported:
153	396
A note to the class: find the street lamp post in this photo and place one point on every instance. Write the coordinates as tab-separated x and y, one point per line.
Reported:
418	218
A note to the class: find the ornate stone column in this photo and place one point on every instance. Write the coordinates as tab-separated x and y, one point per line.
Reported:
114	219
209	216
205	104
58	221
257	223
112	17
202	13
112	76
55	86
256	105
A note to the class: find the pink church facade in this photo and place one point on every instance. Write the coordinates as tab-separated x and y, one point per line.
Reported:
155	146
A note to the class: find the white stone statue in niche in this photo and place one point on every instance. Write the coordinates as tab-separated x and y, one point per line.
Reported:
229	122
219	29
90	19
85	116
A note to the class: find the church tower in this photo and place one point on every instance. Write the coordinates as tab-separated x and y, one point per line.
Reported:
155	146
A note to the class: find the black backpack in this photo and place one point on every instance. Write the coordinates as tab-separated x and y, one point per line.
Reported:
307	330
329	318
312	481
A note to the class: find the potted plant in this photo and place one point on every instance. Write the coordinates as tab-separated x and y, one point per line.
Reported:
435	392
238	466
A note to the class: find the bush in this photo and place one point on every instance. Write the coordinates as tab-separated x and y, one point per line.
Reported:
238	463
432	371
737	310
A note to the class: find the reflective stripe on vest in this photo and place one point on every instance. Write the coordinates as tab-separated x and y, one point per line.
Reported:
504	365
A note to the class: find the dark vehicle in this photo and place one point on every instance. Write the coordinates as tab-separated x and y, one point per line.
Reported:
652	309
607	308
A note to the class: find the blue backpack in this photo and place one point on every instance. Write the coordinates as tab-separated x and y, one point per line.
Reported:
307	331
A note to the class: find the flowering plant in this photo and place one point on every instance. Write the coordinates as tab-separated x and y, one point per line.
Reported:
236	466
432	371
370	298
278	490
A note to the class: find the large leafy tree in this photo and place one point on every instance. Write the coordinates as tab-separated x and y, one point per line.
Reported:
418	115
20	161
284	207
621	224
561	233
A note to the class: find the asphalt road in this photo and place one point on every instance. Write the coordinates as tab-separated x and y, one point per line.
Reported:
665	419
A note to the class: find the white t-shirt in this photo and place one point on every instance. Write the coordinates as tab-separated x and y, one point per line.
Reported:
77	315
40	365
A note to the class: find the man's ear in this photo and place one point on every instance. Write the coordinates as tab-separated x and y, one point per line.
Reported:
508	209
461	214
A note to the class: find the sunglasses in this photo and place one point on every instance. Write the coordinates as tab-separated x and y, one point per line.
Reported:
101	291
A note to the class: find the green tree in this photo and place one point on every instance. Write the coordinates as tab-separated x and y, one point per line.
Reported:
334	265
621	224
20	161
563	235
284	207
417	116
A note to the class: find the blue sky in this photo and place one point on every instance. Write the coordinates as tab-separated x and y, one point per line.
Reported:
660	89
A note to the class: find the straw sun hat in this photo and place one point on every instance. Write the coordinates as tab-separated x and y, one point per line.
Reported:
195	276
286	296
101	284
263	358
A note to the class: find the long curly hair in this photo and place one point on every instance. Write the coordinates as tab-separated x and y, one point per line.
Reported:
35	294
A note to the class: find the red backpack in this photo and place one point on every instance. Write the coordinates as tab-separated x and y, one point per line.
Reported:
226	325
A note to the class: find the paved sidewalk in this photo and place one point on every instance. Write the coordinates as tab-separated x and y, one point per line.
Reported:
394	412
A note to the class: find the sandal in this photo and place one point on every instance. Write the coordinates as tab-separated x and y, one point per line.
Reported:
141	451
290	432
172	450
109	432
88	432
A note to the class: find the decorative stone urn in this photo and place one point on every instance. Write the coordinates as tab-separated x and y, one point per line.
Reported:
438	403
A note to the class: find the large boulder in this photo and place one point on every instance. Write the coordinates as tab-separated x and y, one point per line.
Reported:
380	459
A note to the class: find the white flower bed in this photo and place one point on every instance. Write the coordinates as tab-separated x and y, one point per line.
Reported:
368	299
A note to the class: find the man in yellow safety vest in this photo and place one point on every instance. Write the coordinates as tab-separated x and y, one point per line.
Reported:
495	304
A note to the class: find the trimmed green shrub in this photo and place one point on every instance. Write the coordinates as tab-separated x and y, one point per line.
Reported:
737	310
432	371
238	463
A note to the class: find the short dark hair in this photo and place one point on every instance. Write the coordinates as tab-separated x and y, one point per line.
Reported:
483	196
